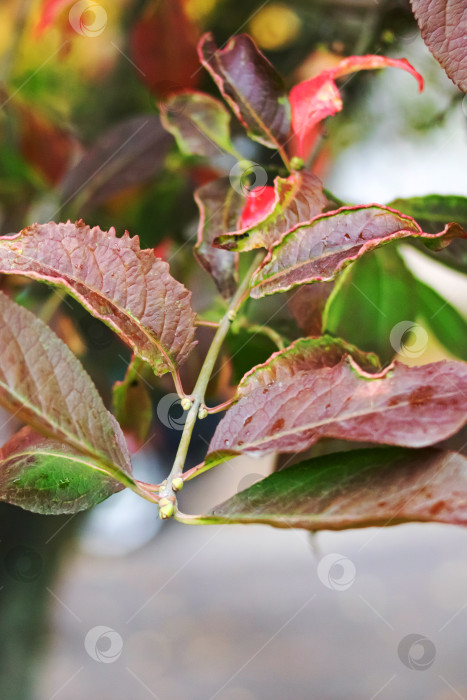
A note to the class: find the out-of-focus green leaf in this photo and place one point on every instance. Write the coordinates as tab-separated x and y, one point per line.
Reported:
443	319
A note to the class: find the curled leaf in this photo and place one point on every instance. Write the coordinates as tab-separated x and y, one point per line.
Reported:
361	488
251	86
297	198
315	99
219	208
404	406
199	122
319	250
45	476
128	288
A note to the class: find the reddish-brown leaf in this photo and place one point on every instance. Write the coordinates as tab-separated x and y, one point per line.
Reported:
304	355
163	47
219	208
297	199
405	406
128	288
307	305
251	86
44	385
319	250
128	154
315	99
443	24
360	488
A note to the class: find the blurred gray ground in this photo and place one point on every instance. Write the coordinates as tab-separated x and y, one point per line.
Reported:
241	614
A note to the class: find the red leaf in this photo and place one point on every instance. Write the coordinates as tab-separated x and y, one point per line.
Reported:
314	100
443	25
251	86
219	207
44	145
126	287
405	406
259	204
163	47
297	198
318	251
49	12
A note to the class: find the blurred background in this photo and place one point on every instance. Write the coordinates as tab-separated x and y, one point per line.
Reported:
109	604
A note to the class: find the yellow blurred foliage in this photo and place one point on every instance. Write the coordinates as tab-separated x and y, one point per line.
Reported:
275	26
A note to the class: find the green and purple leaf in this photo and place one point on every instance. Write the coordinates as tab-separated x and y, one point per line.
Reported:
404	406
219	206
304	355
315	99
199	123
43	384
443	24
251	86
319	250
128	288
360	488
132	404
294	200
45	476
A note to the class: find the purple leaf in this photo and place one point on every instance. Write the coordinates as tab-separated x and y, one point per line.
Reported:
219	206
318	251
360	488
405	406
297	199
43	384
251	86
129	153
128	288
199	122
443	24
45	476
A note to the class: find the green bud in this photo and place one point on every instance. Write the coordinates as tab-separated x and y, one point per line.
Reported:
297	163
177	484
202	413
186	403
167	510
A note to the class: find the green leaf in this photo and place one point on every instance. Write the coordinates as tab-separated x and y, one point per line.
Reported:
371	297
199	123
132	404
361	488
45	476
444	320
434	210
